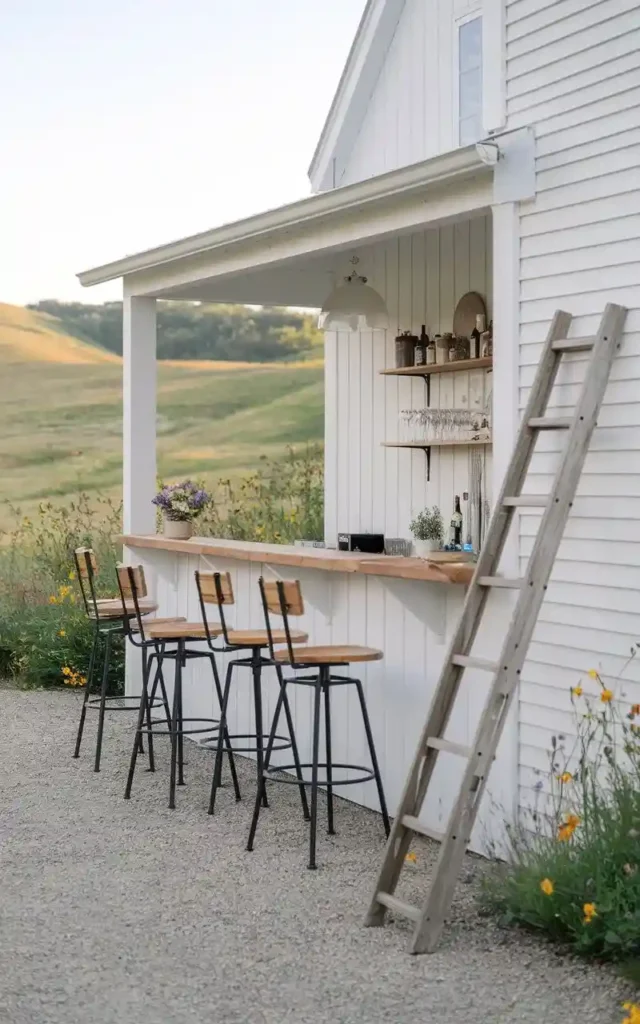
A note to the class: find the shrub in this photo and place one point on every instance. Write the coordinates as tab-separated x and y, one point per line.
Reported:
43	625
575	875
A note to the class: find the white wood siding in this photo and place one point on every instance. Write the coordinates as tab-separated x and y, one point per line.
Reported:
411	112
573	71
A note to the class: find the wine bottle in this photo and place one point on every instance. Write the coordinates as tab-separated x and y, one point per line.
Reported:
421	347
456	523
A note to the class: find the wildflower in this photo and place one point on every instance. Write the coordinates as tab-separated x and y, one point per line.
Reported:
64	591
72	575
589	911
62	632
66	671
547	886
53	599
606	696
576	691
633	1011
411	858
568	827
592	673
565	777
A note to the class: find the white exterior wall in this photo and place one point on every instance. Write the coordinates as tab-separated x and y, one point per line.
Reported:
573	71
411	114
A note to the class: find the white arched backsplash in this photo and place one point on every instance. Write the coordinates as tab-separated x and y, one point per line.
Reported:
421	276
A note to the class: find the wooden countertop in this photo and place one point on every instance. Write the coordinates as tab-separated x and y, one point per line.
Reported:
324	559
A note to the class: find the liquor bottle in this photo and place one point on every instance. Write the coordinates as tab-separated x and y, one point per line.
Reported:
421	347
431	353
456	523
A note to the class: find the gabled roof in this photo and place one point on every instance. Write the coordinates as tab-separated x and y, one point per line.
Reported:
357	82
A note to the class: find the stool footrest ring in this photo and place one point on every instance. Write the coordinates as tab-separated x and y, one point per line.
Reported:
280	743
366	774
209	725
94	703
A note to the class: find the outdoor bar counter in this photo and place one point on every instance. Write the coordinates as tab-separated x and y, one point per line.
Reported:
407	607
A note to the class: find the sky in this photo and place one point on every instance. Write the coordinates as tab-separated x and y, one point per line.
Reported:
128	123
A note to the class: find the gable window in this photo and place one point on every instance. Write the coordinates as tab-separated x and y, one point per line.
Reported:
470	81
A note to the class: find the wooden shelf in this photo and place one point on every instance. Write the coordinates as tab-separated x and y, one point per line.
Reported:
425	371
435	444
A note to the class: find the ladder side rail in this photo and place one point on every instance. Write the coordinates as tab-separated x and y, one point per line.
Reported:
464	634
518	637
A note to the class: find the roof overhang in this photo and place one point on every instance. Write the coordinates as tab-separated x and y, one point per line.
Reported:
305	235
357	82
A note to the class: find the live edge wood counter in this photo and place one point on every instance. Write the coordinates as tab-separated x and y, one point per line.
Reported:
324	559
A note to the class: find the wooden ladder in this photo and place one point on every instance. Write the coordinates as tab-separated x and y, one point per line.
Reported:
430	917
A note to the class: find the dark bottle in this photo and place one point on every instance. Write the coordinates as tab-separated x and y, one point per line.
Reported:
456	523
421	347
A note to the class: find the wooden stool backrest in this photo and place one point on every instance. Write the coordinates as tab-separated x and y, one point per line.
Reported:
133	587
215	588
284	598
87	570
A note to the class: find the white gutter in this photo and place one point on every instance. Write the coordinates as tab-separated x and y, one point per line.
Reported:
361	195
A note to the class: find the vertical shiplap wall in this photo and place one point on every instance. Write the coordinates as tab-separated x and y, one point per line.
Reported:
369	487
573	71
411	113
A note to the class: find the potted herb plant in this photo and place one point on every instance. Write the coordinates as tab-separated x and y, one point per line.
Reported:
428	531
180	505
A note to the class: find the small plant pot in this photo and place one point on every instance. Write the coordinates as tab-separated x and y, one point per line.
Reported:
423	548
178	529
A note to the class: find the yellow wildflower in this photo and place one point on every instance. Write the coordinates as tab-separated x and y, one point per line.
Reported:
568	827
53	599
64	591
633	1011
565	777
72	575
606	696
62	632
589	911
66	671
592	673
411	858
576	691
547	886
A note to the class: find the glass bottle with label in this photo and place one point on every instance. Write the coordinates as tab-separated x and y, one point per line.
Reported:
455	535
421	347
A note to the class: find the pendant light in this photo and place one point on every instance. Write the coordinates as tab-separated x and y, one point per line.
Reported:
354	306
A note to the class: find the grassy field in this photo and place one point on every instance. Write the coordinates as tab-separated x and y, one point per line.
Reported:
61	415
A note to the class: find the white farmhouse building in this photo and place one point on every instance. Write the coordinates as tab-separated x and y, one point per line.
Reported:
552	88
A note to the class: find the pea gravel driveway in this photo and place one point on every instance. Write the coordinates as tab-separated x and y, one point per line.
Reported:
113	912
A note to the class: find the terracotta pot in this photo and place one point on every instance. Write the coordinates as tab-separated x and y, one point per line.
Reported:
178	529
423	548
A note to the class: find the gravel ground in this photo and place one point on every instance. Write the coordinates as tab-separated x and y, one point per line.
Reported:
115	912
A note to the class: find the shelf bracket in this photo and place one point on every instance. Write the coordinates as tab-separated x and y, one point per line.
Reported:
427	451
427	380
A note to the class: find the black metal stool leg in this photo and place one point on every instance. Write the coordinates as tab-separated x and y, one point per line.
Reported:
372	753
103	695
148	701
256	668
159	654
327	737
267	760
183	664
227	741
136	740
294	746
175	725
217	770
314	769
87	690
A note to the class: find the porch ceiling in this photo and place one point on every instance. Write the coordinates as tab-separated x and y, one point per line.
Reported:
291	255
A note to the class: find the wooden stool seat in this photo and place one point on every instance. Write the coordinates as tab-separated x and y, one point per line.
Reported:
180	629
260	637
333	654
111	607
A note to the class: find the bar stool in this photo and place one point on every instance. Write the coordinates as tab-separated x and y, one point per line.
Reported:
110	618
284	598
156	635
217	588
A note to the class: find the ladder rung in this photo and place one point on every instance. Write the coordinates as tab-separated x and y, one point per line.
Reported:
448	746
415	825
550	422
466	661
572	344
527	501
399	906
499	581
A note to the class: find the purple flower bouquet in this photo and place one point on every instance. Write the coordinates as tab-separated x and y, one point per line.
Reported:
182	503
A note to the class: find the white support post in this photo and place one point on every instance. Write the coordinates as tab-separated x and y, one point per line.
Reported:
139	413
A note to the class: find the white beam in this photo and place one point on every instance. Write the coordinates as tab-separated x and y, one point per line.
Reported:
139	413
